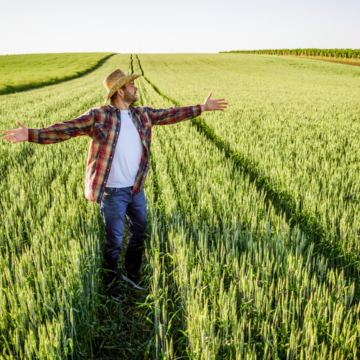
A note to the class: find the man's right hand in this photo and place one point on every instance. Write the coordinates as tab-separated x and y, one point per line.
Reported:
17	135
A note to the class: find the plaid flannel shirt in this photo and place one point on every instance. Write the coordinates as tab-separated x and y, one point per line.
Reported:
103	125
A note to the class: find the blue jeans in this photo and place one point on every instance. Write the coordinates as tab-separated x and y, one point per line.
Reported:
116	203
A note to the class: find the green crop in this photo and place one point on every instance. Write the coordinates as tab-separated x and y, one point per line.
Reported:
49	233
253	218
241	269
293	126
24	72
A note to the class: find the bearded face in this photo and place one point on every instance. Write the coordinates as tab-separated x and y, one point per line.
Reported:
130	93
130	97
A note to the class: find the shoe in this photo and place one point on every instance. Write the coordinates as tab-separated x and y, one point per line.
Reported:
116	290
132	282
117	294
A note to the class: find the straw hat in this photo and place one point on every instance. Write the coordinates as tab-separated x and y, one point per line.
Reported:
115	81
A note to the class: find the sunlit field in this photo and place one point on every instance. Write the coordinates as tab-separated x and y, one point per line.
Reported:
49	233
253	247
263	251
24	72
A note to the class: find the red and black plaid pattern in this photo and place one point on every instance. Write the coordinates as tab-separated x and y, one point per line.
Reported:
103	125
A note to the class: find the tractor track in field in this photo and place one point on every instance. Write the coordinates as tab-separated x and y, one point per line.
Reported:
282	201
178	160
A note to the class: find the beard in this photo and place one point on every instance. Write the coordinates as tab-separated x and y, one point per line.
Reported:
129	98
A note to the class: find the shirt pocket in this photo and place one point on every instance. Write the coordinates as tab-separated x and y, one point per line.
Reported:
101	131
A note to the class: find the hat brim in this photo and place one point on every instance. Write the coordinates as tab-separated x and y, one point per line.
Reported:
121	82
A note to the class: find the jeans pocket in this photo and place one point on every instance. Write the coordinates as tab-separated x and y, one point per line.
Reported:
109	191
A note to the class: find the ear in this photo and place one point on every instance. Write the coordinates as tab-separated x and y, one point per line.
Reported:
121	93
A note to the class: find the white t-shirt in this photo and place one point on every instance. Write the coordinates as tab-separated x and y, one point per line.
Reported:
127	156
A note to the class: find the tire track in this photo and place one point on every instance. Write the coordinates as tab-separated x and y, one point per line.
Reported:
282	201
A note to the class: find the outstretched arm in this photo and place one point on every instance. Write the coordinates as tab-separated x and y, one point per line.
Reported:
177	114
82	125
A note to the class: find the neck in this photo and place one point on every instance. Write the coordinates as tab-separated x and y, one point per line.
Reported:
121	104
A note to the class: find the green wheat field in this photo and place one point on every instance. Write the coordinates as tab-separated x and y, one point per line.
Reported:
24	72
254	213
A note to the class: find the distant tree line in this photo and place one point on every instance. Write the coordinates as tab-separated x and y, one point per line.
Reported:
338	53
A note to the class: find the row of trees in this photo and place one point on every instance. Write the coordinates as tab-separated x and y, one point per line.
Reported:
337	53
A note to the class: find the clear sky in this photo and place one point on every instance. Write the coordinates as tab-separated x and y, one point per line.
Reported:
165	26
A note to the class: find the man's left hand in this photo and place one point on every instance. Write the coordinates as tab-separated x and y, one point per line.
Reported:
210	105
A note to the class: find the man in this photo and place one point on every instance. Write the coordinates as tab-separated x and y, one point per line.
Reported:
118	163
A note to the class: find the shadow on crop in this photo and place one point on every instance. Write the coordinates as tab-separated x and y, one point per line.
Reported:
120	330
283	202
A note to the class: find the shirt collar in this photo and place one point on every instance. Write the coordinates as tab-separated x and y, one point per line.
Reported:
112	108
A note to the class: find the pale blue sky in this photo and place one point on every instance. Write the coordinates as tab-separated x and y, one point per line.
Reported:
159	26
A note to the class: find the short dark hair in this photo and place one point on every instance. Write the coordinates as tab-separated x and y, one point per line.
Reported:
115	95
